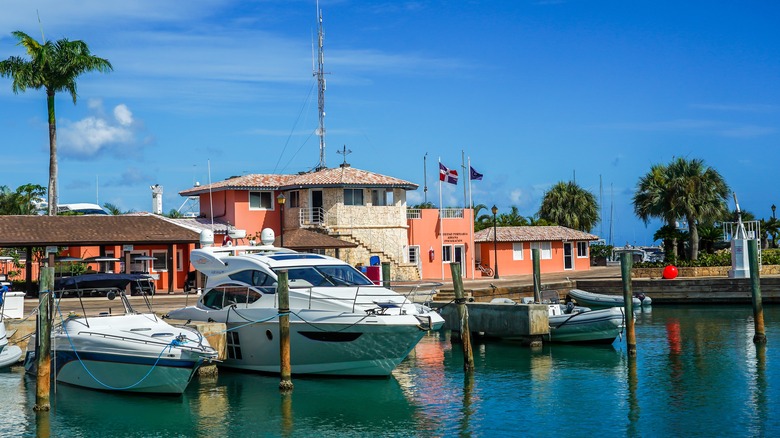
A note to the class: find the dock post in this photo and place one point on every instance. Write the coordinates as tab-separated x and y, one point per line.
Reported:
386	274
628	298
755	287
535	256
463	314
43	339
285	369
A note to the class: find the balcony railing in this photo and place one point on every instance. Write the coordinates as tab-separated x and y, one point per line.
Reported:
413	213
451	213
311	217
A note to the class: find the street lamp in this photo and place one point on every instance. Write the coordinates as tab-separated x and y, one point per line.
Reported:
495	243
774	207
281	200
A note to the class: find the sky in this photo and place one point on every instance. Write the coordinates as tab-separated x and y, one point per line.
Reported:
532	92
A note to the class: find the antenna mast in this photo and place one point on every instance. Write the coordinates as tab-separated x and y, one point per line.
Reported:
320	74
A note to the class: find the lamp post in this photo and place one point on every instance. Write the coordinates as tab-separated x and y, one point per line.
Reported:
774	207
281	200
495	243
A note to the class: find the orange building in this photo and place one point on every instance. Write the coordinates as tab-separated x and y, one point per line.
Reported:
561	249
440	237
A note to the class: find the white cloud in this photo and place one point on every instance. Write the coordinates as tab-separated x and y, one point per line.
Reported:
97	133
123	115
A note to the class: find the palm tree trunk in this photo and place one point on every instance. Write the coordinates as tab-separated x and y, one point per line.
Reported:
52	154
693	229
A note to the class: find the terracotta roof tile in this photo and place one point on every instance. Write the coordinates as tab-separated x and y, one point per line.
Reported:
335	177
531	234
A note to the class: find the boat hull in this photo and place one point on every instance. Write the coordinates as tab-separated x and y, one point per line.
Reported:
10	356
594	326
323	343
600	301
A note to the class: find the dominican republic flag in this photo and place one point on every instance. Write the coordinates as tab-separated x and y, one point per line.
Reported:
447	175
475	176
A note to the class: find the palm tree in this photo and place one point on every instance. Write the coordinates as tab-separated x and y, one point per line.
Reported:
53	67
511	219
536	221
482	221
114	210
682	189
22	201
569	205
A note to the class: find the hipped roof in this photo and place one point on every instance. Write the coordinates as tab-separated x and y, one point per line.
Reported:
22	231
532	234
336	177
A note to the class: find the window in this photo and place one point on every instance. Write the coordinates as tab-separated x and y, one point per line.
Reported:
261	201
294	198
582	249
414	254
544	247
381	197
517	251
179	260
160	262
353	196
253	277
446	253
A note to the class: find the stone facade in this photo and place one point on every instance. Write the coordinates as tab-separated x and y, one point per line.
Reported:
699	271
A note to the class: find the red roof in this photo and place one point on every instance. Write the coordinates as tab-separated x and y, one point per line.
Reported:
335	177
531	234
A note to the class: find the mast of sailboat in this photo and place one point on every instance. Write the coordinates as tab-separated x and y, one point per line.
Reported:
319	72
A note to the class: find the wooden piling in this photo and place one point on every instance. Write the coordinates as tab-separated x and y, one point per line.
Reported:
628	298
386	274
43	338
463	314
285	369
535	256
755	287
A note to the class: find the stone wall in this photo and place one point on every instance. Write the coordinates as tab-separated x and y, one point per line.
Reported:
699	271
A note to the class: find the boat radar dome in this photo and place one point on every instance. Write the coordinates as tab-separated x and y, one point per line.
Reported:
206	238
267	236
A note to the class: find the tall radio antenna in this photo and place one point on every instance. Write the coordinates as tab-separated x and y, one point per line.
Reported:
320	74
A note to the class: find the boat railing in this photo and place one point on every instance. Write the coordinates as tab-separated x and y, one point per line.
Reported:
139	340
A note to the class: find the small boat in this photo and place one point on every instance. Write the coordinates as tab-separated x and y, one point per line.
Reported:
569	323
134	352
576	324
341	323
9	354
600	301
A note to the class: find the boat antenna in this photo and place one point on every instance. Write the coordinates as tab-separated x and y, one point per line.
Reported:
319	73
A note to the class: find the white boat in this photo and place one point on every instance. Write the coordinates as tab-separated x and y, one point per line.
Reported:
583	325
340	322
9	354
594	300
134	352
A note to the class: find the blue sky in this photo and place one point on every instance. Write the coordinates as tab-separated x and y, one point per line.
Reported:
533	91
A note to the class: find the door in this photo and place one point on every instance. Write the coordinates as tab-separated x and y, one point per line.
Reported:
460	257
568	256
316	207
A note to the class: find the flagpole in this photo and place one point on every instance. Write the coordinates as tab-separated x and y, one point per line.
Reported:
463	166
441	225
471	228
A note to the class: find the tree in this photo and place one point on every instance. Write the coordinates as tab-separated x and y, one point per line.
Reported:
482	221
55	68
114	210
569	205
511	219
682	189
22	201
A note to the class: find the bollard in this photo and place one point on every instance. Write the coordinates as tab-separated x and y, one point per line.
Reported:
535	256
628	298
43	340
755	287
463	313
386	274
285	369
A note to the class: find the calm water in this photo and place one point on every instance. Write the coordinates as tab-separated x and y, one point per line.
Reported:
697	373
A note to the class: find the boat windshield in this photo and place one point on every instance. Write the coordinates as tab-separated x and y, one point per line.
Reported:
327	276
